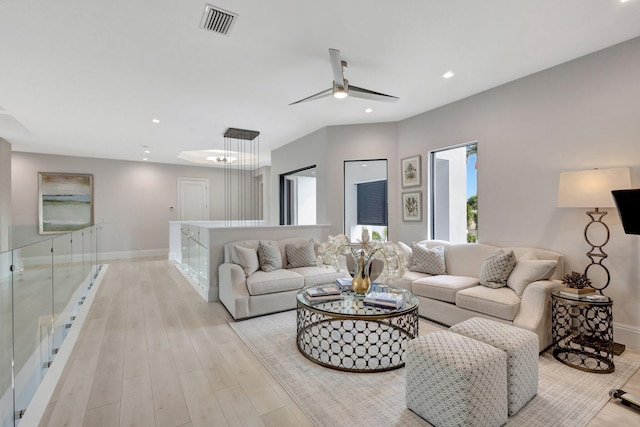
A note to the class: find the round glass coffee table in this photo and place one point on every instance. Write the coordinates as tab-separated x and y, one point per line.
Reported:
347	335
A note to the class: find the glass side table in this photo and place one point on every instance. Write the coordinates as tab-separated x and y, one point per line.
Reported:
582	333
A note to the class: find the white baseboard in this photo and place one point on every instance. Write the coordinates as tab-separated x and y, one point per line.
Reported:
40	401
627	334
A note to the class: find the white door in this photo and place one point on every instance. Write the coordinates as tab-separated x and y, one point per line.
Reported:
193	199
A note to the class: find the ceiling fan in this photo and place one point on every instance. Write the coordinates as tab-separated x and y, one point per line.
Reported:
341	87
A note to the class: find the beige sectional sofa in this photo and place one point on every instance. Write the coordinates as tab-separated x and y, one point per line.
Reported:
457	295
247	292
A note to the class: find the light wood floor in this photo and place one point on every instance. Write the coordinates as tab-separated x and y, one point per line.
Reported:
153	353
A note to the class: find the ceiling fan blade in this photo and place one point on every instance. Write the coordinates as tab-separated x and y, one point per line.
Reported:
358	92
318	95
336	67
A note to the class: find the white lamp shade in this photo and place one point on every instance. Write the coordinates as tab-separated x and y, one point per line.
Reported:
592	188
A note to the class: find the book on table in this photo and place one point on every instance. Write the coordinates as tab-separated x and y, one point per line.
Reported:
384	299
323	293
344	283
596	298
576	293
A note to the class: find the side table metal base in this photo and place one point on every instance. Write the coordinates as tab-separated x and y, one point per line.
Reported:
583	333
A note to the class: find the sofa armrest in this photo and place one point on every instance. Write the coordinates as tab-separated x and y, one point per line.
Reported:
232	287
535	310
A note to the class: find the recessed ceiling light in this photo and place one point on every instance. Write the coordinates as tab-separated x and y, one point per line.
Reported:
145	159
623	1
147	151
364	165
155	120
448	74
369	110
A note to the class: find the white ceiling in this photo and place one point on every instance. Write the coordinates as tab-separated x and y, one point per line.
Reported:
85	78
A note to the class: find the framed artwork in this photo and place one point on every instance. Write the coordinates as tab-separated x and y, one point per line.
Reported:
412	206
411	171
65	202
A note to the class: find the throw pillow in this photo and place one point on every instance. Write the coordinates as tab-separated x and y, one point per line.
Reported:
496	269
248	259
269	257
300	256
426	260
527	271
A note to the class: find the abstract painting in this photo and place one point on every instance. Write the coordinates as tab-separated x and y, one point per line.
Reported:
65	202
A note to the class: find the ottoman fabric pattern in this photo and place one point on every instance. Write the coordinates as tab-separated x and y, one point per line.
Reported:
454	380
521	347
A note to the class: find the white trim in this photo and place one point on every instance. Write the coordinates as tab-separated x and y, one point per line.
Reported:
40	401
628	335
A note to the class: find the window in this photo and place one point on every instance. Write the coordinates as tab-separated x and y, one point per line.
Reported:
454	195
365	199
298	197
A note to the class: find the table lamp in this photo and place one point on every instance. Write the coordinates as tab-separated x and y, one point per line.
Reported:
592	189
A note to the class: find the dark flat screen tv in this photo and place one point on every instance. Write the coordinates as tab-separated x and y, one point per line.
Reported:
628	203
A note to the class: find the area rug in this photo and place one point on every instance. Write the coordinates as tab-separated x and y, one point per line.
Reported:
566	396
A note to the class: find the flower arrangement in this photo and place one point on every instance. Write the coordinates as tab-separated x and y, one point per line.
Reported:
392	257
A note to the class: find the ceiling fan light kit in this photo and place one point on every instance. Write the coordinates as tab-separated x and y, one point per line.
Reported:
341	92
341	89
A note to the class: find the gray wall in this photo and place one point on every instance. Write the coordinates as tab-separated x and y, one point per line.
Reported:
328	148
580	115
5	194
583	114
304	152
132	198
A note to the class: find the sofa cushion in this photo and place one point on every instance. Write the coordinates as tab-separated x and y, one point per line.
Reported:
248	259
502	303
466	259
496	269
442	287
261	282
541	254
303	255
269	257
527	271
428	260
408	278
319	275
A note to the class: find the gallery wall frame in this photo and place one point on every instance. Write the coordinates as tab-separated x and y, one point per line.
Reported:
412	206
65	202
411	171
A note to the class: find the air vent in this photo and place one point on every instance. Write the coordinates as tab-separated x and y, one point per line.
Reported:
217	20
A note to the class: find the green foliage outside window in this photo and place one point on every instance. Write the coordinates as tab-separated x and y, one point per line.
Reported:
472	218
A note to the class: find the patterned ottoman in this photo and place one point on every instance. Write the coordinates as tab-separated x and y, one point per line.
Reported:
521	347
453	380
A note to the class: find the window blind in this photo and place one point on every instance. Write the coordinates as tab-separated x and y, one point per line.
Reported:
372	203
